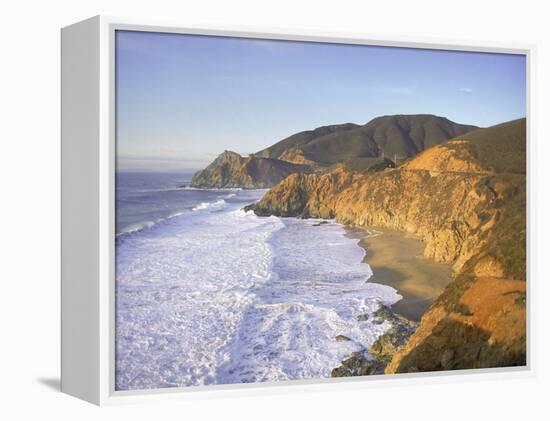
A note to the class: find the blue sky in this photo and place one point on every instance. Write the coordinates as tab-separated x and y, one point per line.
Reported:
183	99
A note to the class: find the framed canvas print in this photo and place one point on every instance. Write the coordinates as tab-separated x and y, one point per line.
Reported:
244	210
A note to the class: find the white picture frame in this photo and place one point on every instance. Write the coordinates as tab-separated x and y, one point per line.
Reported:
88	162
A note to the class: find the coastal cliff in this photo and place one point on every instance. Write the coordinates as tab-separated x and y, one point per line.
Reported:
466	199
395	137
230	170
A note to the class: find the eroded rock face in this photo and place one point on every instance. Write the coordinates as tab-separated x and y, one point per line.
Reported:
455	213
483	327
231	170
469	212
354	146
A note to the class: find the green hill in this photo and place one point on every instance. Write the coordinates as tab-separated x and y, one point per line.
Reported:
401	135
302	138
501	147
371	147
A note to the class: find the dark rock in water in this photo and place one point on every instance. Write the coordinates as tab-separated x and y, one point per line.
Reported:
392	340
183	186
363	317
318	224
342	338
384	313
380	353
359	364
397	335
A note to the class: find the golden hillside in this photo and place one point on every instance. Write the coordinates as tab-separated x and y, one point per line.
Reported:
466	199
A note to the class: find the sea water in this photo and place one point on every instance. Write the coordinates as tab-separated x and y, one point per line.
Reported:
207	293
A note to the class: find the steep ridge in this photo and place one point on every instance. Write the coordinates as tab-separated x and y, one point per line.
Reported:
466	199
396	137
230	170
292	144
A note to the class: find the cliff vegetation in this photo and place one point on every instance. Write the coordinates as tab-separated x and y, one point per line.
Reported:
357	147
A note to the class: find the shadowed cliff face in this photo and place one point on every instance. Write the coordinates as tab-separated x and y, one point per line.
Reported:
466	198
353	146
455	213
231	170
485	327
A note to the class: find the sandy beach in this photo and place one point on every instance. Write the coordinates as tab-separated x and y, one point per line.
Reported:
396	260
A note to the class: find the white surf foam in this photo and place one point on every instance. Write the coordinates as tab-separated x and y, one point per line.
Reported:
315	295
225	297
135	228
218	204
181	294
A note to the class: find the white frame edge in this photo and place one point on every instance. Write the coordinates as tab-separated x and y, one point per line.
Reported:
88	300
80	121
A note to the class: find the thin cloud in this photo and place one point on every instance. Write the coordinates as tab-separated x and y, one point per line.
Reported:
466	90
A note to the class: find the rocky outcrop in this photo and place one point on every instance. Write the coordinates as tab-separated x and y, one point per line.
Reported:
351	145
230	170
466	199
376	358
478	322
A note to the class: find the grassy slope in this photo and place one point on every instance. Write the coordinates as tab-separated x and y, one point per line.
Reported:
403	135
302	138
357	147
502	147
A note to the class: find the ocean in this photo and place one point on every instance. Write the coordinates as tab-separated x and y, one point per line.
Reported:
209	294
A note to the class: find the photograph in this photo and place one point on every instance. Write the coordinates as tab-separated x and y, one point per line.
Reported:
306	210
